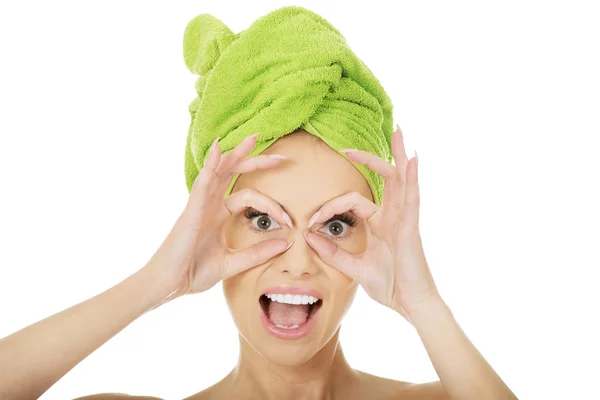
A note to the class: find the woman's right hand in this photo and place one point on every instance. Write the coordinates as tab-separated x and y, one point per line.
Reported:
193	257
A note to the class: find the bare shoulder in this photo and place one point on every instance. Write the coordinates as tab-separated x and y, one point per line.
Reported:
385	388
116	396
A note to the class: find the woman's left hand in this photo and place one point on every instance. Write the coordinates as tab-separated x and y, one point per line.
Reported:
393	270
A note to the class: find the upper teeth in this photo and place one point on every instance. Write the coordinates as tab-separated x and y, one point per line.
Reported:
292	299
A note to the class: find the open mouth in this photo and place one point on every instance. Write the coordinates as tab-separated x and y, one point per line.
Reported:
286	311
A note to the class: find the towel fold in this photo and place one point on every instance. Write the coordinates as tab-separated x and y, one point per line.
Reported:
290	69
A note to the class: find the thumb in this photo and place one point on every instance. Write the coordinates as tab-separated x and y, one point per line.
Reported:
333	255
240	260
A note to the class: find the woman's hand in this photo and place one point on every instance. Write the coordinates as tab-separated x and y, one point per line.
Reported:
393	270
193	257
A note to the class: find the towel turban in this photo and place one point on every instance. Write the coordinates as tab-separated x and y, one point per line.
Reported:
290	69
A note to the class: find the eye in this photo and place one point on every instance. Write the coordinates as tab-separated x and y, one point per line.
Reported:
337	223
263	221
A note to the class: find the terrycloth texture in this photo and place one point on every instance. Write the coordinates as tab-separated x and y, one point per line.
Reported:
290	69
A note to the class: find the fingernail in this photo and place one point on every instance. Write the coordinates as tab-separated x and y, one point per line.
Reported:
214	144
349	150
291	242
399	131
313	219
287	219
416	158
305	233
253	136
276	156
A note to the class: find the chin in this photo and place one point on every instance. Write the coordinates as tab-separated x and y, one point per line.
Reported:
286	354
288	325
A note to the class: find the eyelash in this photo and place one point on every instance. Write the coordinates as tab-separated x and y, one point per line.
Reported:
346	217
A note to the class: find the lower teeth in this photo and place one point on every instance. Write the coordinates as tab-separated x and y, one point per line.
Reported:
287	327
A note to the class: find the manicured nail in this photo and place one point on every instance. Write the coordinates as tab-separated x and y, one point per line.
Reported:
399	131
305	233
349	150
213	145
416	158
313	219
276	156
287	219
291	242
253	136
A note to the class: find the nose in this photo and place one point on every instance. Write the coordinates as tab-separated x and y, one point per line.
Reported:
299	260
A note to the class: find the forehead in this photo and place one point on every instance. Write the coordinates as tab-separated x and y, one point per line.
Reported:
313	174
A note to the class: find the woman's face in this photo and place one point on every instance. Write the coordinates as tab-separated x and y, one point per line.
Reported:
313	175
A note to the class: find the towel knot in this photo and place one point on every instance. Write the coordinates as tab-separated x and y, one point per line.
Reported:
205	37
290	69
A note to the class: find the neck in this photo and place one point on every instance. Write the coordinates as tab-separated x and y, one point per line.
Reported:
326	375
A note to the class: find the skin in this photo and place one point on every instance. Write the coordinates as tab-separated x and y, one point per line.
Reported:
313	366
393	271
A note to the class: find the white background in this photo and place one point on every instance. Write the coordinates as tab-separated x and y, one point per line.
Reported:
500	99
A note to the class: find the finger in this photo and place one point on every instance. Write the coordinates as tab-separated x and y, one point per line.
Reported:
248	197
207	171
200	187
352	201
235	155
333	255
394	192
413	198
240	260
398	151
229	166
213	180
217	165
377	164
250	164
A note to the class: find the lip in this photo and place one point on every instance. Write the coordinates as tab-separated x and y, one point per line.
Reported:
294	290
288	334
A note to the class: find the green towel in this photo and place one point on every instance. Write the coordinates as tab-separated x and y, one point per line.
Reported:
290	69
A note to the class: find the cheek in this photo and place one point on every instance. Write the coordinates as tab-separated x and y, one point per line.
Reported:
343	288
355	244
344	297
347	285
230	235
238	234
239	293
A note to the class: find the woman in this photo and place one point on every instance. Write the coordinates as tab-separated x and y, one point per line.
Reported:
326	260
300	228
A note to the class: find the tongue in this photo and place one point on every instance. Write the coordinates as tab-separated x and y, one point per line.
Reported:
288	314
